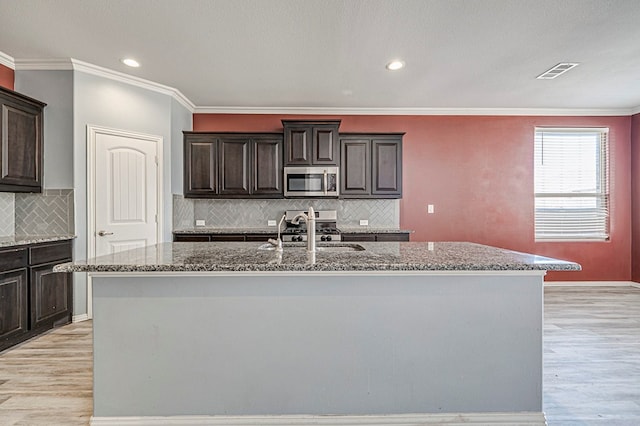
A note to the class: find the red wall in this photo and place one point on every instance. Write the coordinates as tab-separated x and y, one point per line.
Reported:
635	188
6	77
478	172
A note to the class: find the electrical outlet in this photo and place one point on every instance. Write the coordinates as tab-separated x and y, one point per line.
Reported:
430	246
430	208
271	223
364	222
199	222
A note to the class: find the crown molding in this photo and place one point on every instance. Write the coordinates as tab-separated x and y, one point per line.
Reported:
417	111
76	65
7	61
44	65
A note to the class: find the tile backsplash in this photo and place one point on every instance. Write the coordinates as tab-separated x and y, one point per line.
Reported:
7	214
48	213
255	213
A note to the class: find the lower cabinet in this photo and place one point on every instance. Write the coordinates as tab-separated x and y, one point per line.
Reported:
223	237
379	237
13	305
33	298
50	296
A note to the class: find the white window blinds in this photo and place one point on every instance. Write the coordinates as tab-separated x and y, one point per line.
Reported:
571	184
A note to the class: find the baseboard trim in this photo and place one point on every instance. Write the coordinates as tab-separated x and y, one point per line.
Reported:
80	318
591	284
448	419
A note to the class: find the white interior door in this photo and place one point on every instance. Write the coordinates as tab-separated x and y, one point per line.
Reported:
126	191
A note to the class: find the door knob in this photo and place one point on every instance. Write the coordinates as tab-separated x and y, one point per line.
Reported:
103	233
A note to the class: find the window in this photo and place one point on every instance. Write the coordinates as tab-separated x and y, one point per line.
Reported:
571	188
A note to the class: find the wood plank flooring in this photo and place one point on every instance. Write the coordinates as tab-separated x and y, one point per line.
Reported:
592	356
48	380
591	365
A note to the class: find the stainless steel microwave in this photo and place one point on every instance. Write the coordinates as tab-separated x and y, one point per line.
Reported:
315	181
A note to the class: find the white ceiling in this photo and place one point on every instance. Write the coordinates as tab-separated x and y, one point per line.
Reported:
466	54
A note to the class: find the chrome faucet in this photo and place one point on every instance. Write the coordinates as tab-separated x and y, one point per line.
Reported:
310	218
278	242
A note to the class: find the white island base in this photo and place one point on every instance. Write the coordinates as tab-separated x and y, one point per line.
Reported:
318	348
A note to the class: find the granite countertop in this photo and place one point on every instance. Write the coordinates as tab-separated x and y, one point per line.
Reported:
22	240
274	230
392	256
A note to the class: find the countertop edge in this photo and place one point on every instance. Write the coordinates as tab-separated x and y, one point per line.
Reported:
34	239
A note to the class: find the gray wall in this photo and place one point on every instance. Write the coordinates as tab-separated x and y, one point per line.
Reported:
181	119
313	344
76	99
105	102
55	88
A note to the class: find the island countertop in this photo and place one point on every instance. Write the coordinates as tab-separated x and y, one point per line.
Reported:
380	256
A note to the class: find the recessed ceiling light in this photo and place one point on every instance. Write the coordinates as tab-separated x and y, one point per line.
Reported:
131	62
558	70
395	65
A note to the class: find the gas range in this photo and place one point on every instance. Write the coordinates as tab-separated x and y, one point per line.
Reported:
326	229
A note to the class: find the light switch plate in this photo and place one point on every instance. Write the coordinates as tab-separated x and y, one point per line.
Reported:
364	222
200	222
430	208
271	223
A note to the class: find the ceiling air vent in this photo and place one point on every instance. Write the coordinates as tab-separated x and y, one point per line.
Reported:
559	69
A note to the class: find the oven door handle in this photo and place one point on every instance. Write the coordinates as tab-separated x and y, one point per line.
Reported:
326	190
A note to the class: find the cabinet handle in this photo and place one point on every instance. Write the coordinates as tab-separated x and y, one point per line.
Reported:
103	233
325	183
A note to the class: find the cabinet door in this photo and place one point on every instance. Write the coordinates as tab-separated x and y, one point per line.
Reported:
355	167
13	305
359	237
325	144
396	236
50	296
297	145
227	237
267	166
191	237
235	171
21	143
387	167
200	166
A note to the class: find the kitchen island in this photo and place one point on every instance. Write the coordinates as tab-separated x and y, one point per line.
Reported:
369	333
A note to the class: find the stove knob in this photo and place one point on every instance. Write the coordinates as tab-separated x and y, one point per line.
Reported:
297	238
325	238
328	238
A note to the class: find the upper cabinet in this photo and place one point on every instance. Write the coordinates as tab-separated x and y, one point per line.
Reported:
21	142
232	165
371	165
311	142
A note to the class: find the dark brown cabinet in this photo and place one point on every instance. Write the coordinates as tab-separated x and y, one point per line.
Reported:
379	237
309	143
200	166
21	142
235	167
371	165
13	305
178	237
232	165
33	298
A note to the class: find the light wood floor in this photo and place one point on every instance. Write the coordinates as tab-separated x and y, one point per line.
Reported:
591	365
592	356
48	380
